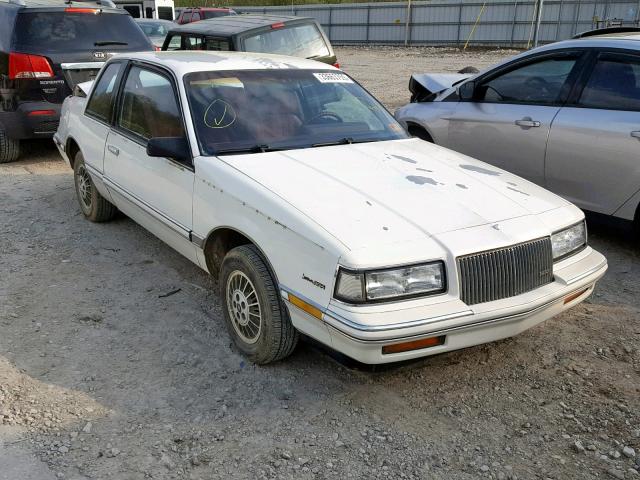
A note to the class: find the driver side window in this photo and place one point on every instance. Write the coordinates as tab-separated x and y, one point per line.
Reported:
538	83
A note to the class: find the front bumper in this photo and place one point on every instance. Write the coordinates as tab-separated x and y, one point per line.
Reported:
361	336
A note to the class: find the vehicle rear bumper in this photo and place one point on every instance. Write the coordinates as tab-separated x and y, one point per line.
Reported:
461	328
23	124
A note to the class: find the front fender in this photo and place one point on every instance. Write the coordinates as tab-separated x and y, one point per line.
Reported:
303	256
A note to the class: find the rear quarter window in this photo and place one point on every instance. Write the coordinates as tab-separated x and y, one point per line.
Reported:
53	32
101	102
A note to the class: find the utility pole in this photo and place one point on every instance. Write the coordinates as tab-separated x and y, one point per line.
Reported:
407	24
536	33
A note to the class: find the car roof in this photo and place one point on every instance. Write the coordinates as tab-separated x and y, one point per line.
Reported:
208	9
627	41
182	62
233	24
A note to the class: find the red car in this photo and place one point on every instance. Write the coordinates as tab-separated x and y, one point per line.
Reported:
190	15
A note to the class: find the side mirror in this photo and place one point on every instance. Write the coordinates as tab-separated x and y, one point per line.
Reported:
170	147
467	90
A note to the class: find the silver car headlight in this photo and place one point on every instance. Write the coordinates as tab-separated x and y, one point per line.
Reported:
387	284
569	241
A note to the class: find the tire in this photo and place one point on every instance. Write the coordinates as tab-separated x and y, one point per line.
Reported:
260	329
93	205
420	132
9	148
469	69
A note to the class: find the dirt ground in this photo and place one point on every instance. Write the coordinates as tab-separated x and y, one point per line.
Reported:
102	376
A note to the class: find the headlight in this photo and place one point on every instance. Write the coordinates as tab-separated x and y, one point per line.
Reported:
390	283
568	241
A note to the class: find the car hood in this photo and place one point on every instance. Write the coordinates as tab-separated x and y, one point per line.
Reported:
438	82
394	191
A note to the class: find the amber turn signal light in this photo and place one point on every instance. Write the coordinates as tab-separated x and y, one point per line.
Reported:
301	304
574	295
413	345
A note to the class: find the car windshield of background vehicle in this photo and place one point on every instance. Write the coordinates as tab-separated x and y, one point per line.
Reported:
280	109
154	29
614	85
299	41
52	32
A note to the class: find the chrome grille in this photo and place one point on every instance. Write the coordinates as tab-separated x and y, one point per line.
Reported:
506	272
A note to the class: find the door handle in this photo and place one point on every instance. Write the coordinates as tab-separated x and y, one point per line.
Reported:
527	123
113	150
636	134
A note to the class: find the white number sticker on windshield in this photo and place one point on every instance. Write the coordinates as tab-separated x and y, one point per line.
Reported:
330	77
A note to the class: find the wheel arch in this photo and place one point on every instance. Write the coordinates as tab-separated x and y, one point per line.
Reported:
71	149
221	240
413	125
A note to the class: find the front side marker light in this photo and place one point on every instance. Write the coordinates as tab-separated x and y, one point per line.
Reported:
302	305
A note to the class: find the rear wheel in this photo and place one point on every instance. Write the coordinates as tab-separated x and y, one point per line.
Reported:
469	69
256	317
9	148
93	205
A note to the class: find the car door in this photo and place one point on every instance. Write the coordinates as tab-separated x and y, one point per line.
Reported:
156	192
507	121
593	157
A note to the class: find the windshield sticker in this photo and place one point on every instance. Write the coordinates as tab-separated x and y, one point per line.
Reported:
330	77
219	114
218	82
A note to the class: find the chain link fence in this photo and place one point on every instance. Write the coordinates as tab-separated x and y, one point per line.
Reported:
503	23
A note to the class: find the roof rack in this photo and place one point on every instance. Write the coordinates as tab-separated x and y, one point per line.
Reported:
106	3
52	3
606	31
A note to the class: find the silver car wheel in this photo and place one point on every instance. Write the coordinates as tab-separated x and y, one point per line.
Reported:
243	307
83	181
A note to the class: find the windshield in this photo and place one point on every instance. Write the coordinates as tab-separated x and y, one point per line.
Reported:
50	32
299	41
261	110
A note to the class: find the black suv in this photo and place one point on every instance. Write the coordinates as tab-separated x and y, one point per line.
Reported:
46	48
284	35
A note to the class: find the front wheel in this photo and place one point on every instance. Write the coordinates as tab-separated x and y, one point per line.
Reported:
93	205
256	317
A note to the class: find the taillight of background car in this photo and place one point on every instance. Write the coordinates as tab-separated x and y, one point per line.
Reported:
22	65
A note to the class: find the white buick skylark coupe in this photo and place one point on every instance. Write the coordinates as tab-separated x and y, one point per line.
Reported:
317	213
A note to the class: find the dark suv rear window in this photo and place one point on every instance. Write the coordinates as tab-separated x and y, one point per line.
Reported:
301	40
50	32
217	13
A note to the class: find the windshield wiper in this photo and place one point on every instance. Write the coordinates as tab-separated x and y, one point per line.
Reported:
252	149
342	141
345	141
109	42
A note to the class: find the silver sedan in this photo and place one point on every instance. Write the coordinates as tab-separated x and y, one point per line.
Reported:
565	116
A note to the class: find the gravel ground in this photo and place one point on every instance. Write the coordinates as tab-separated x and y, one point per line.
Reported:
385	71
103	377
